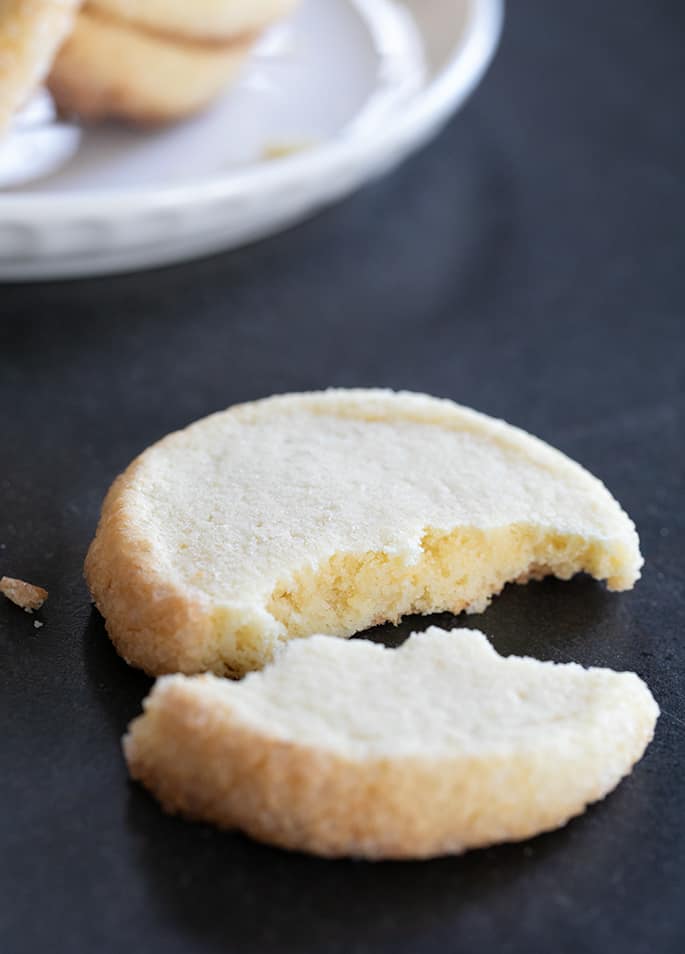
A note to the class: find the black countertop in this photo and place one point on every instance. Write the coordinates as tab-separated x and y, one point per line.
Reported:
530	264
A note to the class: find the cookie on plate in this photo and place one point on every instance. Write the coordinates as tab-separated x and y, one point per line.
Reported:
212	20
31	32
112	69
154	63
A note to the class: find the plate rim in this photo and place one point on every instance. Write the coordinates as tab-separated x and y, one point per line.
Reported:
429	109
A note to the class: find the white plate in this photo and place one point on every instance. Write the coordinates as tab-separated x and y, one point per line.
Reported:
358	83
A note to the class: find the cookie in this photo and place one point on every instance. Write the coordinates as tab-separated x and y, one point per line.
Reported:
110	69
352	749
211	20
31	32
331	512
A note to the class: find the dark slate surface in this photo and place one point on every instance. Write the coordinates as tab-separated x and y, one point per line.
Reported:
529	263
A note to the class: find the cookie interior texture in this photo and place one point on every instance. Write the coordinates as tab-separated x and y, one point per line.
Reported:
354	749
332	512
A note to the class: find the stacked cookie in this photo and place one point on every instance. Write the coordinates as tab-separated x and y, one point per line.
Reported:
158	61
30	33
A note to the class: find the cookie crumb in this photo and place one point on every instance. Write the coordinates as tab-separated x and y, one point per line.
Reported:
25	595
37	624
283	149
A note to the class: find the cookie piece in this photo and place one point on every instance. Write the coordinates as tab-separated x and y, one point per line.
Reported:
211	20
111	69
353	749
31	32
26	595
331	512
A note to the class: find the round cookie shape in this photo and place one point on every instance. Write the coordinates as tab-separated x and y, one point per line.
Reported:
332	512
351	749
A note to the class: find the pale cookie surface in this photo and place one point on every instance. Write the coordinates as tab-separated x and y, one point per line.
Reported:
204	19
353	749
111	69
31	32
331	512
